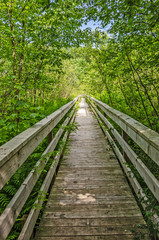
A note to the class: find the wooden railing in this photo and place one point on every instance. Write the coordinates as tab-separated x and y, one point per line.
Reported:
15	152
145	138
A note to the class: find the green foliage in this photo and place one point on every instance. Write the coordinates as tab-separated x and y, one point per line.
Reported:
33	38
71	127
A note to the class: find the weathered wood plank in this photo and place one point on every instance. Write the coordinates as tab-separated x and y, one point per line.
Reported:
89	207
103	172
91	197
89	200
102	213
85	184
113	191
91	231
83	222
108	237
98	178
86	171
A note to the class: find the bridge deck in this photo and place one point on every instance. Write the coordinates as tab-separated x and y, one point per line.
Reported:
91	198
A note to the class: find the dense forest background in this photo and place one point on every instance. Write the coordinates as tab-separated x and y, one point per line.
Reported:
46	58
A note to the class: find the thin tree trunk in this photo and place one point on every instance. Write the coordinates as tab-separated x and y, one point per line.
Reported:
125	97
22	52
138	89
34	96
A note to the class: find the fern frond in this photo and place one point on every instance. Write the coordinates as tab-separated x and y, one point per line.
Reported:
4	199
10	189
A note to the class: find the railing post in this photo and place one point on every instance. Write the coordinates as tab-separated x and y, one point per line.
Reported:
50	137
125	137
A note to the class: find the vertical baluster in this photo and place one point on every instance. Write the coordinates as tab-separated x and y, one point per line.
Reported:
50	137
125	137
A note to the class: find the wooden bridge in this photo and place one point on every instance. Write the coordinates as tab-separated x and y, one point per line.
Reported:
91	196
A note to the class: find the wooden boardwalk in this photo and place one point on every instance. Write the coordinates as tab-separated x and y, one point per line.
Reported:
91	199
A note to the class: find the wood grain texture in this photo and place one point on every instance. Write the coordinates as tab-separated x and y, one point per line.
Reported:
91	199
108	237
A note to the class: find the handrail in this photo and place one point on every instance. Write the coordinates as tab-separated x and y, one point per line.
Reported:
147	139
17	150
32	217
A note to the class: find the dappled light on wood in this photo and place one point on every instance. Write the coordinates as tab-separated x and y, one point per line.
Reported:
86	198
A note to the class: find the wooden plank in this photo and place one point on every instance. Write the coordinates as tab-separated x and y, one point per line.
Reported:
85	184
98	178
83	222
93	191
18	149
78	165
89	169
91	197
108	237
91	173
91	231
102	213
88	207
88	187
87	199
